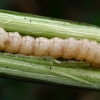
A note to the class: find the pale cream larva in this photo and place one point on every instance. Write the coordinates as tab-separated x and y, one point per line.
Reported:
14	42
27	45
4	39
82	49
96	60
56	47
41	46
68	48
92	51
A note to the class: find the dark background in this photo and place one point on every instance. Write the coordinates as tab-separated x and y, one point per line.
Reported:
87	11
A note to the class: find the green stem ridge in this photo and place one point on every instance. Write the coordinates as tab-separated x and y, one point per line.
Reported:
47	69
27	24
32	67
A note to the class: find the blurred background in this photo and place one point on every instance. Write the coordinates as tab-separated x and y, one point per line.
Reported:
87	11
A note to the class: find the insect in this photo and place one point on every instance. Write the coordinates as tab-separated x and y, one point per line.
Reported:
68	48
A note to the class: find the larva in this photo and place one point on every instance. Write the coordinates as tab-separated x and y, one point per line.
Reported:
68	48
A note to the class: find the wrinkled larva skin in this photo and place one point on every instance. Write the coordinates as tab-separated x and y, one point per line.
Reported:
84	49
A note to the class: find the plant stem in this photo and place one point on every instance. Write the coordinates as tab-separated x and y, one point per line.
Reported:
41	26
46	69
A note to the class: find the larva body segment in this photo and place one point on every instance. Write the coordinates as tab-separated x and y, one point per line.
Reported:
70	48
27	45
84	49
93	46
56	46
97	57
14	42
41	46
4	39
